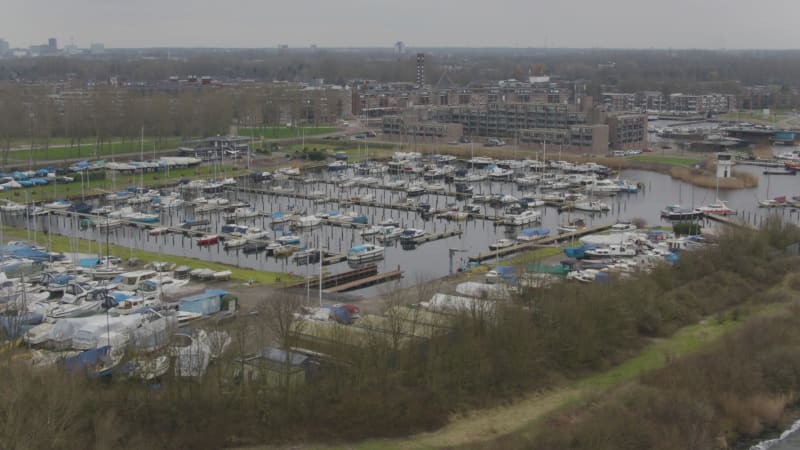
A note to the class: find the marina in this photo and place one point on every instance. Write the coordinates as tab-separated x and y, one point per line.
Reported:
260	223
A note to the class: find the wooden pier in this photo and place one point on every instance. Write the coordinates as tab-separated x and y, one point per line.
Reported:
737	222
332	280
435	237
549	241
368	281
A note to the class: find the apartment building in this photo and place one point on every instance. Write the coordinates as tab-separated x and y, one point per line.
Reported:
653	101
504	119
701	103
626	131
614	101
402	126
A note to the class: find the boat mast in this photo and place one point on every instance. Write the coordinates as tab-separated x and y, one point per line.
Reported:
141	151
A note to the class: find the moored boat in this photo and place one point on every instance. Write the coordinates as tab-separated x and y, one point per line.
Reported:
501	243
365	252
208	240
676	212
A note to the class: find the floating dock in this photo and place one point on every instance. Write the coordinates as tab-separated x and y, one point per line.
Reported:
738	222
332	280
434	237
368	281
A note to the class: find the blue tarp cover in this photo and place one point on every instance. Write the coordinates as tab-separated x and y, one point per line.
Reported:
88	263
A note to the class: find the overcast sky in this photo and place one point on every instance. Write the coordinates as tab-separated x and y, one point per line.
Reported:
423	23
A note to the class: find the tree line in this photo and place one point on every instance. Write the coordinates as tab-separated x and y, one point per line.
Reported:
693	71
32	116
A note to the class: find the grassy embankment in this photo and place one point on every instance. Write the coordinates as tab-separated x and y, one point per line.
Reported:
525	418
60	151
62	244
72	190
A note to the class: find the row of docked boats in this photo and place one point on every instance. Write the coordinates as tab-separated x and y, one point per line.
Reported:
676	212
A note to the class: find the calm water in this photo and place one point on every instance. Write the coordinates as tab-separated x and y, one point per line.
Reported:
431	259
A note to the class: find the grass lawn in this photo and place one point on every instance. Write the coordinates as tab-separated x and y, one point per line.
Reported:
61	244
86	150
534	256
73	189
668	160
354	149
754	116
285	132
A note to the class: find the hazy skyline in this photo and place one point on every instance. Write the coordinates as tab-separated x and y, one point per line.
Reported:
710	24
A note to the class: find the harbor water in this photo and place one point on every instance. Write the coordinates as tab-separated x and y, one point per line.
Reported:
431	259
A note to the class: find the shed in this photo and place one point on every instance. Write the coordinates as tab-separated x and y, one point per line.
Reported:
206	303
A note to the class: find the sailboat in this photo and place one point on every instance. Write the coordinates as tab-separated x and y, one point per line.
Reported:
719	207
772	202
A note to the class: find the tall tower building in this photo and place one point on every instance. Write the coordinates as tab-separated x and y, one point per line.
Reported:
52	44
420	69
724	164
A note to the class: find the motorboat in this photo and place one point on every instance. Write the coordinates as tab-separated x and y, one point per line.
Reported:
212	204
390	232
591	206
371	231
163	285
255	246
532	234
141	217
365	252
169	202
307	256
109	224
481	161
307	221
242	213
523	218
501	174
158	231
571	226
235	243
622	227
58	204
605	187
411	234
434	187
527	181
501	243
584	276
278	217
611	251
464	189
415	190
208	240
389	222
14	209
337	165
676	212
289	239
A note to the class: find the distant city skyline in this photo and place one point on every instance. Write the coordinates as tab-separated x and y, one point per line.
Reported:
711	24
